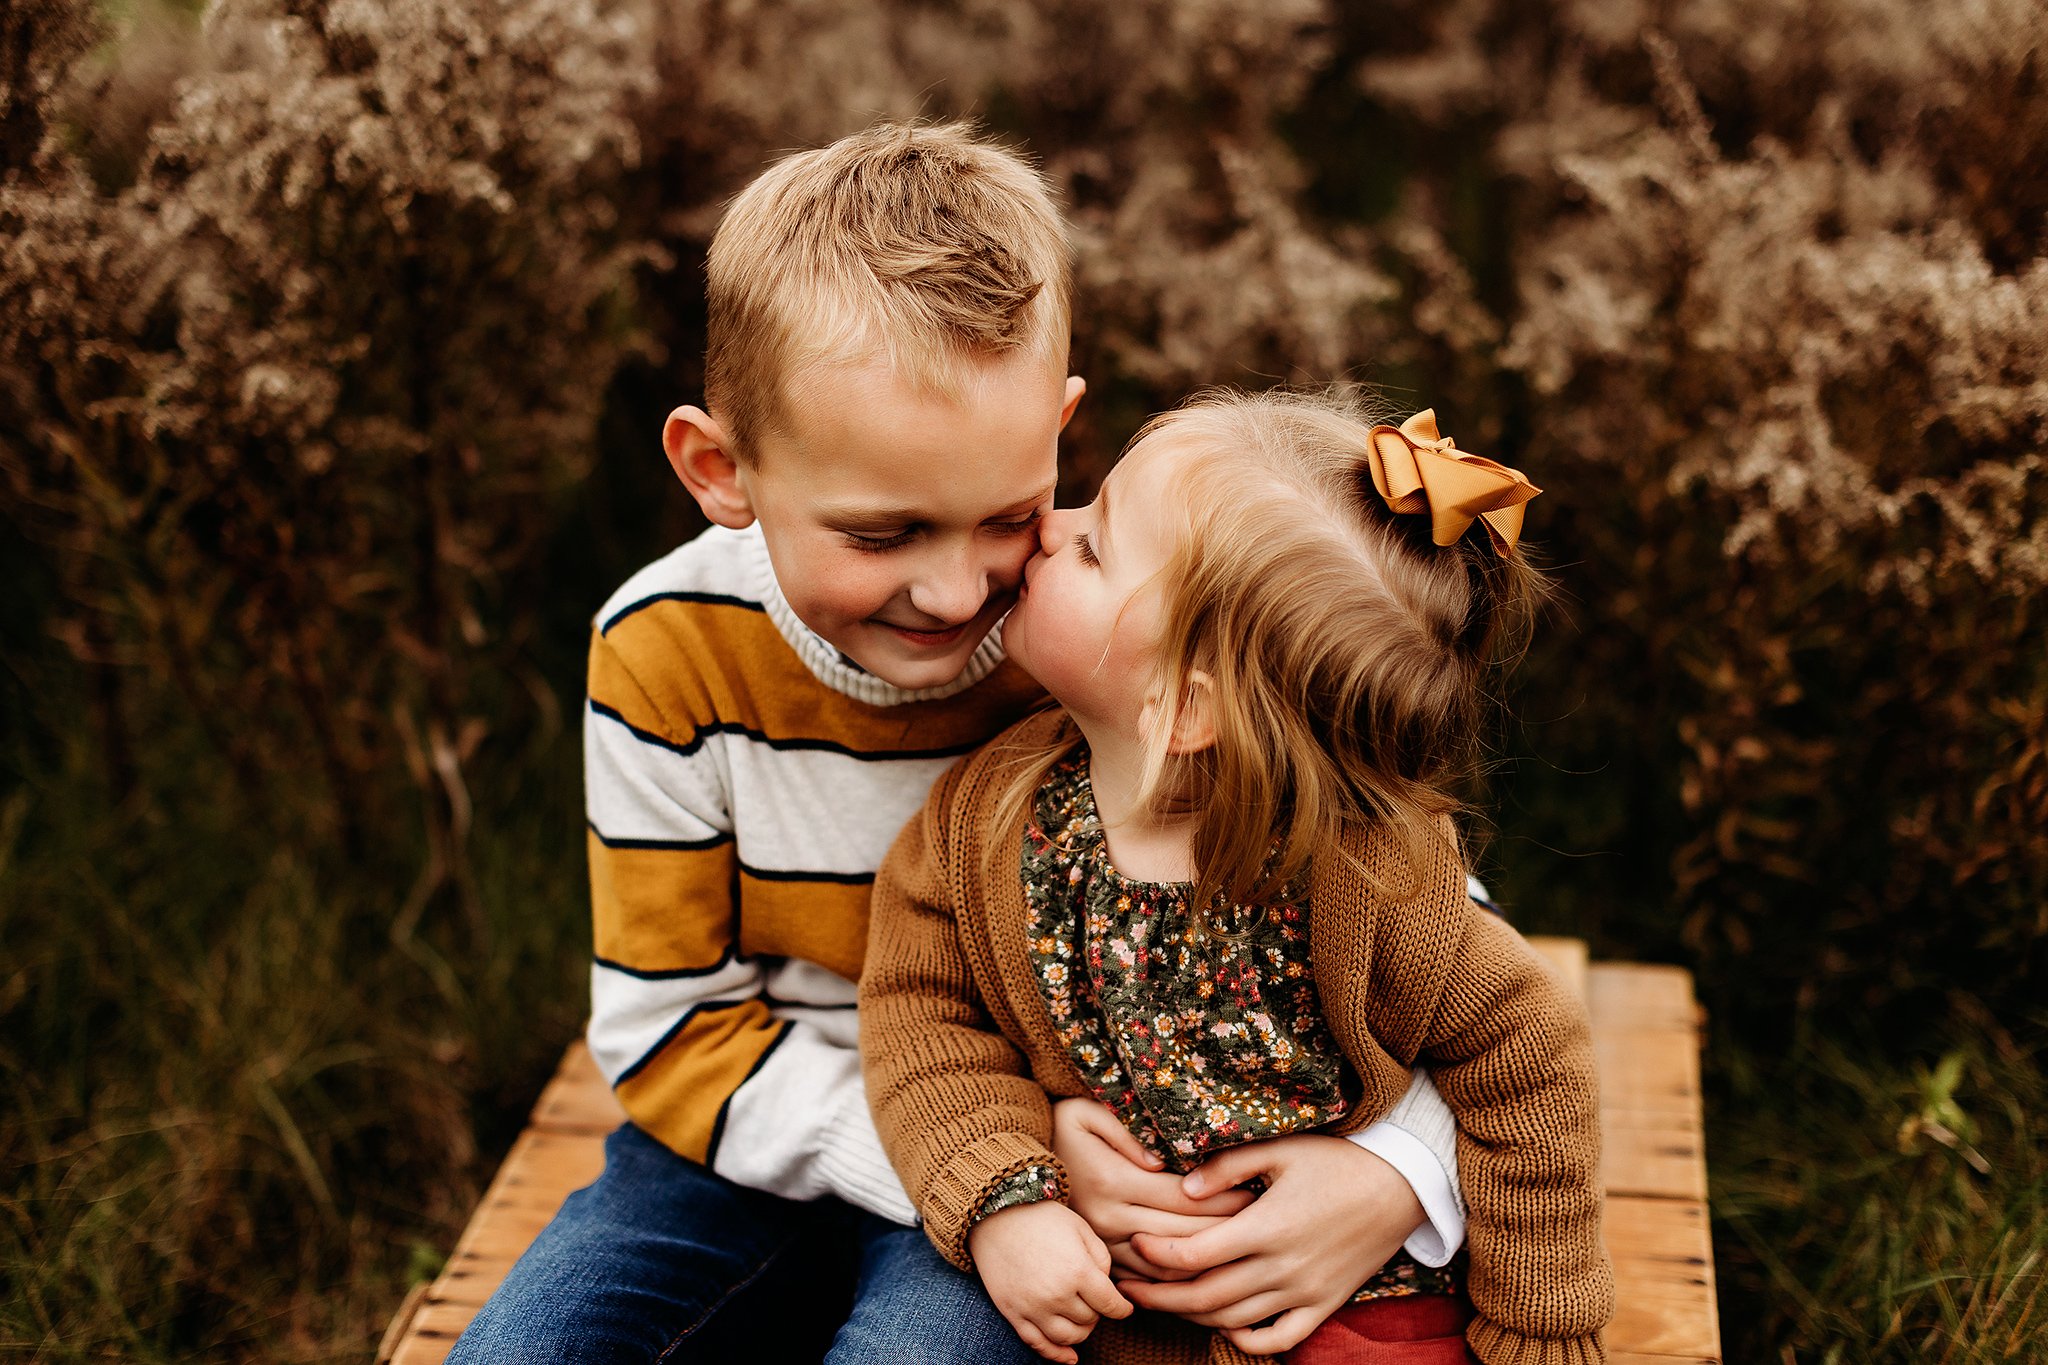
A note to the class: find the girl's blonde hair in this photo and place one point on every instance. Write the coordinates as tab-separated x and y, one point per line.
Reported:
1346	655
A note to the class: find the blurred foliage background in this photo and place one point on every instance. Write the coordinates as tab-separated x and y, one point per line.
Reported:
334	341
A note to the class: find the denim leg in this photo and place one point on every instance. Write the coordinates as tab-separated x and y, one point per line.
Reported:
912	1308
658	1260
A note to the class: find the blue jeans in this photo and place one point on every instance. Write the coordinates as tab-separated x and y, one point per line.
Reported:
660	1260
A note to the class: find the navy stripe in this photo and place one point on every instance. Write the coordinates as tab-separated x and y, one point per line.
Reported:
667	973
767	874
823	746
718	1124
777	1002
673	845
714	599
630	1072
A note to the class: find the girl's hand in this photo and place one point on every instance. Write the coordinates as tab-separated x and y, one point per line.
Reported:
1331	1215
1121	1188
1046	1273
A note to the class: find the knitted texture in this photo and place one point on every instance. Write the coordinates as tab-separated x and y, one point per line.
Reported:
960	1057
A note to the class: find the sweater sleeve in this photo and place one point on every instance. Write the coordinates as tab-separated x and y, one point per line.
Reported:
954	1101
1511	1052
679	1024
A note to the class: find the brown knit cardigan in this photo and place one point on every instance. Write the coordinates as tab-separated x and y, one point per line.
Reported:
960	1057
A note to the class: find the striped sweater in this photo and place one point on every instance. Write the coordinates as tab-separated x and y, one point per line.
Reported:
743	782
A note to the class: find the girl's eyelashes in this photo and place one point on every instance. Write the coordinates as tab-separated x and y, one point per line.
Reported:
1086	551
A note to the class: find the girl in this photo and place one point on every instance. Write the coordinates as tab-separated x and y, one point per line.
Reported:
1218	889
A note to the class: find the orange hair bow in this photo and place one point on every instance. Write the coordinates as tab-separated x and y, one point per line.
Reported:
1416	470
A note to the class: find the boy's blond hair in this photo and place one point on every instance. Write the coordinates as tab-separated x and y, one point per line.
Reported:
927	245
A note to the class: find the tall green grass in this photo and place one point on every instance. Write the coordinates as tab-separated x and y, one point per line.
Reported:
236	1117
1870	1209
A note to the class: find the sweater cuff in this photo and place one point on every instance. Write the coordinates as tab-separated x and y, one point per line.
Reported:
1497	1345
855	1167
960	1187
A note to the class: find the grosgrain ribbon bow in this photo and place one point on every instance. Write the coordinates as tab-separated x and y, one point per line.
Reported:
1416	470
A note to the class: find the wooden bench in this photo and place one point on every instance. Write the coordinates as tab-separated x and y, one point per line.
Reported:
1646	1035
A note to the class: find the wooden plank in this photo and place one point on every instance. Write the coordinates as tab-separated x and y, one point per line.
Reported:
1646	1040
1568	957
432	1335
541	1171
577	1099
1663	1278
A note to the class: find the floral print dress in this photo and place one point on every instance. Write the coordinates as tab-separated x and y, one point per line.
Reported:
1198	1037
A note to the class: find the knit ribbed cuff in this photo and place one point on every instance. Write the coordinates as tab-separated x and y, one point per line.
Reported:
962	1185
1496	1345
855	1167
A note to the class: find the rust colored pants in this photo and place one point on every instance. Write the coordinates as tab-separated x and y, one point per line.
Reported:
1420	1329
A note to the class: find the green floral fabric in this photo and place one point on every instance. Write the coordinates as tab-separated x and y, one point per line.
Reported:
1199	1037
1028	1186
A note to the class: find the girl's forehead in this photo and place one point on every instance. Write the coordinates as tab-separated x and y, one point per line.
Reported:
1152	459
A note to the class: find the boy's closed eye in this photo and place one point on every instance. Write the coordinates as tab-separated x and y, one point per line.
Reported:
871	539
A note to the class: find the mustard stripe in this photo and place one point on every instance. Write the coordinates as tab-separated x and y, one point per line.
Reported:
738	671
690	746
716	599
818	921
661	910
677	1091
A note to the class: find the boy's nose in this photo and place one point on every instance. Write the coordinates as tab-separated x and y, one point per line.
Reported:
1052	532
951	590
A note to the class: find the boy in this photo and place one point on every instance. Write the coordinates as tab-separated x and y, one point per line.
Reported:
885	384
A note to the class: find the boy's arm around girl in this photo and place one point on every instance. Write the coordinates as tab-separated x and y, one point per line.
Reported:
959	1053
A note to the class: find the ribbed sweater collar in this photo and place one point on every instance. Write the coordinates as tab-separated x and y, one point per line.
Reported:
834	669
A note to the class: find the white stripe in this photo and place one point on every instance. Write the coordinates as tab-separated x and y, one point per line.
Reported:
807	811
638	790
806	983
629	1015
800	1127
796	810
718	561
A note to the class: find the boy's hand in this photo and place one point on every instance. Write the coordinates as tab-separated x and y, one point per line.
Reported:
1048	1274
1331	1215
1121	1188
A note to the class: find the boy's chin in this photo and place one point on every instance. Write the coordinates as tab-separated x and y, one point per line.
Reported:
913	670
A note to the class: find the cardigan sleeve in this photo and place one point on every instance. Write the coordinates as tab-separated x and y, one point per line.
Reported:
1511	1052
954	1100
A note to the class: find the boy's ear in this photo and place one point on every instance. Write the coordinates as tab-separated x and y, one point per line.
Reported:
1194	725
697	450
1076	386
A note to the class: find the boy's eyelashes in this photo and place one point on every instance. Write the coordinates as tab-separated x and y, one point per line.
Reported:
1086	551
889	540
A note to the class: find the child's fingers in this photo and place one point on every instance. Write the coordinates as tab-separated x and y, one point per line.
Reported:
1289	1330
1028	1333
1229	1168
1130	1265
1246	1312
1098	1120
1165	1223
1102	1299
1063	1329
1219	1245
